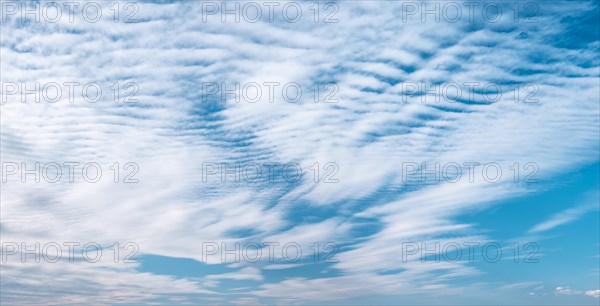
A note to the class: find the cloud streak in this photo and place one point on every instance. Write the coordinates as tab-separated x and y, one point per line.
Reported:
373	129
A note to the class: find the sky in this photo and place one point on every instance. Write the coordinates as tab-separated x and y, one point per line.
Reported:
300	153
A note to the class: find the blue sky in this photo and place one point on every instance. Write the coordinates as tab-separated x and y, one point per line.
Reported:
385	115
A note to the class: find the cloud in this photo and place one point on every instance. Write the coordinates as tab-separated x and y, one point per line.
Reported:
567	216
568	291
593	293
565	291
522	285
243	274
373	129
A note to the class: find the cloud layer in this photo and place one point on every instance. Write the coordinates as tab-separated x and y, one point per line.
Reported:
370	134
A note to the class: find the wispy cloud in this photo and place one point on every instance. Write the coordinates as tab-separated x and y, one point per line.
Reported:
369	133
568	215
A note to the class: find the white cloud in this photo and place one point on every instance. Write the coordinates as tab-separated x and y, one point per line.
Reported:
369	133
568	215
593	293
248	273
568	291
565	291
